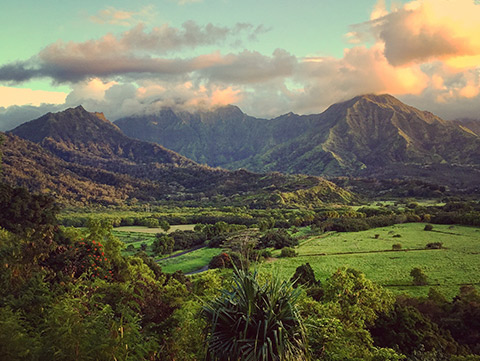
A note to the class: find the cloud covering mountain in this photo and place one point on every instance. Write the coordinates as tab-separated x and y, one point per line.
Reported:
425	52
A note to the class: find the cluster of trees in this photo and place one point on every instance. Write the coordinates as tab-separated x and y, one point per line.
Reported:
68	294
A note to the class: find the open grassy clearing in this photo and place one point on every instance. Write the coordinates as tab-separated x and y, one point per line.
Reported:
458	263
142	229
189	262
137	235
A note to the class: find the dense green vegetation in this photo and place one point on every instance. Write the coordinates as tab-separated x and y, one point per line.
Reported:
75	293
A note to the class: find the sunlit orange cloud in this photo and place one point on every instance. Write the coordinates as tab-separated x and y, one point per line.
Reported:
427	30
225	96
364	70
205	97
20	96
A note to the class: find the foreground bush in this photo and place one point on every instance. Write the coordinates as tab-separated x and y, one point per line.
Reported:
255	321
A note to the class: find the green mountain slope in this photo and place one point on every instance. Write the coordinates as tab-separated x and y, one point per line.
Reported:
81	157
364	136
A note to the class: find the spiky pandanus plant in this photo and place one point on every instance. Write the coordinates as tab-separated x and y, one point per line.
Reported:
255	322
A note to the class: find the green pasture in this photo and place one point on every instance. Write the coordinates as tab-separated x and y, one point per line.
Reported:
189	262
142	229
137	235
447	269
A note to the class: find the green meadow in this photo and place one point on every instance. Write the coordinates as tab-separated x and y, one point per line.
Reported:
135	236
142	229
456	264
189	262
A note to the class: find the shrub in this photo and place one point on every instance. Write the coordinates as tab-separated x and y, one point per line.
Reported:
397	247
349	225
222	260
428	227
265	253
277	239
255	321
419	278
288	252
434	245
304	275
187	239
152	223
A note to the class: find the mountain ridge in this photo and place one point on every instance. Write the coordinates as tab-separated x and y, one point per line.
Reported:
355	137
81	158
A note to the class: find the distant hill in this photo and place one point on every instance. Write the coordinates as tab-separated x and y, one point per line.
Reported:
369	135
217	138
81	157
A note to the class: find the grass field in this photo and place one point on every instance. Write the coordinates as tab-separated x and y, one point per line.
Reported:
189	262
448	268
140	229
136	236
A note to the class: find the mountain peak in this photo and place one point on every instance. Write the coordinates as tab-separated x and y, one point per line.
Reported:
72	124
383	100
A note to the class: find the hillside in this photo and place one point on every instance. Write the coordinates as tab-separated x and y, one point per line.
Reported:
80	158
369	135
472	125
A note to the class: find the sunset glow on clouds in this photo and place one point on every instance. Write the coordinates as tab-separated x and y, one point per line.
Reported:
426	52
19	96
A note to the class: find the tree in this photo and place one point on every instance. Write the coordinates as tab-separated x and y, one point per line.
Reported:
152	223
163	244
360	300
1	142
277	239
164	225
255	321
304	275
428	227
419	278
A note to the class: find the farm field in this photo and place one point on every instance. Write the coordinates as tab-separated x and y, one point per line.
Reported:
457	263
135	236
189	262
447	269
142	229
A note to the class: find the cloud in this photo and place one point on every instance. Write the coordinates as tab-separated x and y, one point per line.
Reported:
426	52
426	30
113	16
251	67
129	53
184	2
19	96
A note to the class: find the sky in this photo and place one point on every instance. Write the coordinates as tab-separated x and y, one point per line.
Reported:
268	57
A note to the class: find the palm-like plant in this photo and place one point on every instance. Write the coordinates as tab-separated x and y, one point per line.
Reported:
255	321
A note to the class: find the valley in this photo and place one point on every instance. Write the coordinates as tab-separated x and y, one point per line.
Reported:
368	214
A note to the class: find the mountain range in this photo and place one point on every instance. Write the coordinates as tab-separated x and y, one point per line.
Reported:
367	136
81	158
